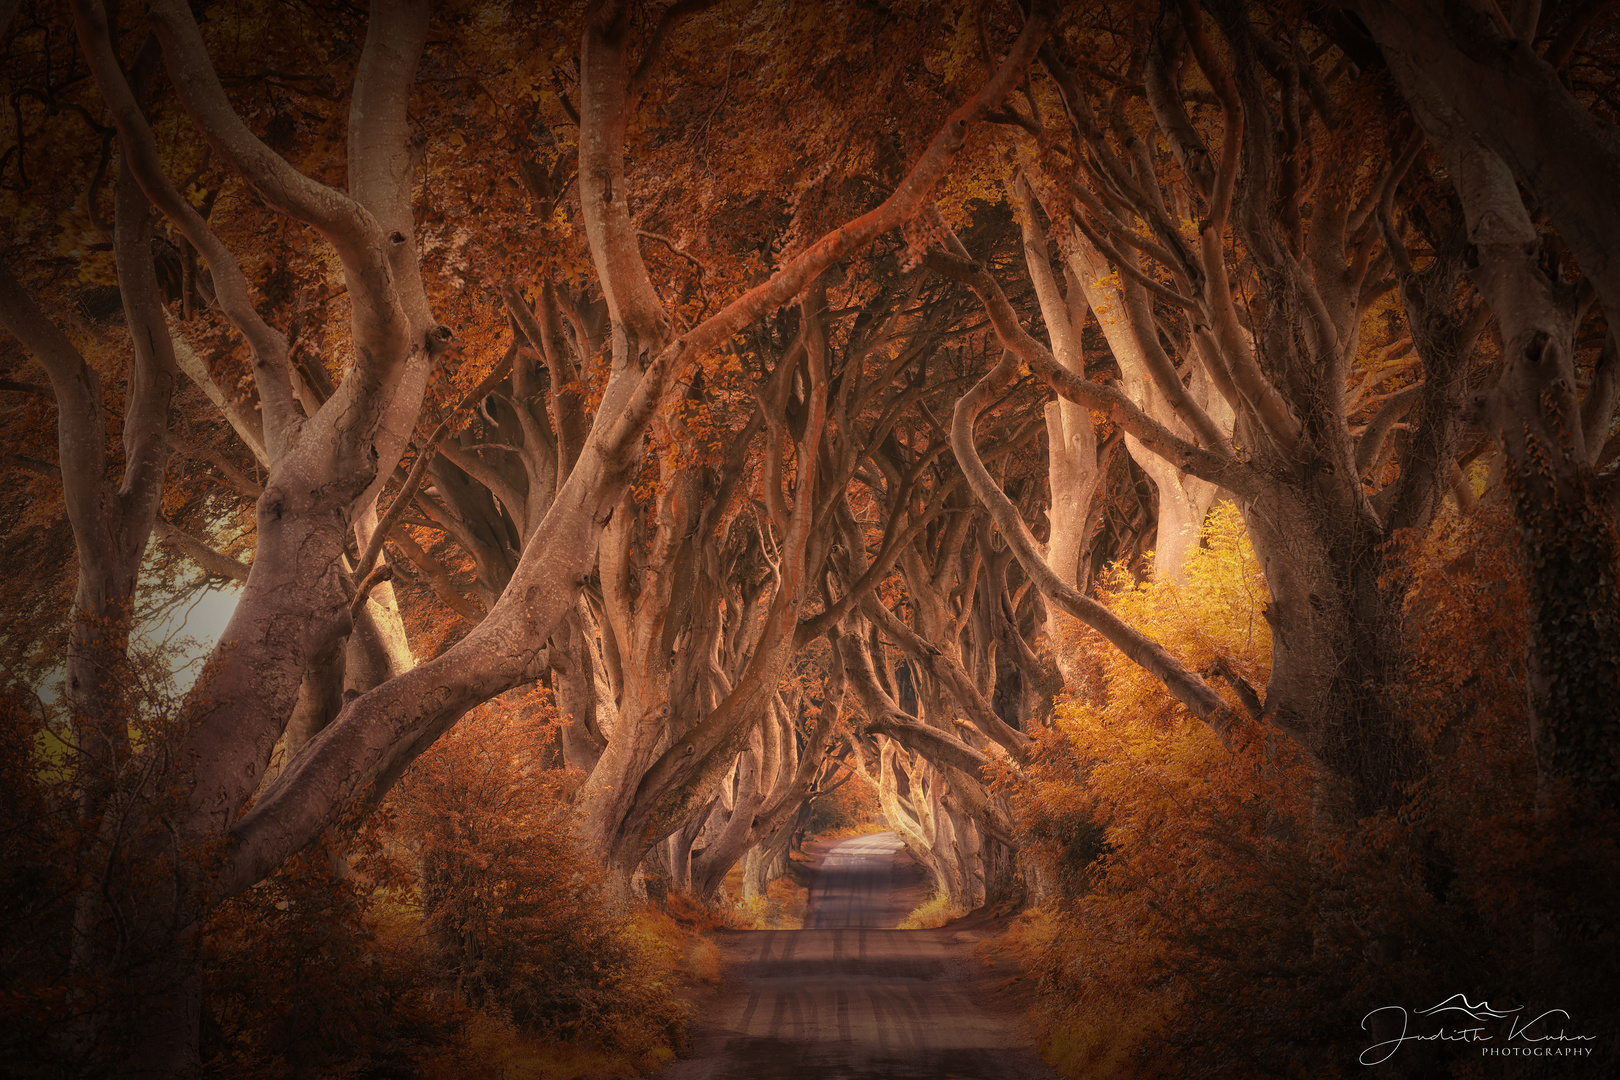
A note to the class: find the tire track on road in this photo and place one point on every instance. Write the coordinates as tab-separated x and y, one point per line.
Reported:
849	998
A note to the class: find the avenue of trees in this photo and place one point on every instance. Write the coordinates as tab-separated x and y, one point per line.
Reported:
1163	452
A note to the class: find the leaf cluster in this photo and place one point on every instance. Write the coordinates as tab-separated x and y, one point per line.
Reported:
1205	921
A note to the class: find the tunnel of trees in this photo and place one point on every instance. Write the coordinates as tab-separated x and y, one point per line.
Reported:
1161	452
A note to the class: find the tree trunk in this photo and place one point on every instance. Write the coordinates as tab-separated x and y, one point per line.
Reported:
1570	542
1338	650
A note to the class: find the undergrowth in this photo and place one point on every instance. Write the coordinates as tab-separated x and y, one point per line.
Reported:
783	907
467	936
1204	922
934	912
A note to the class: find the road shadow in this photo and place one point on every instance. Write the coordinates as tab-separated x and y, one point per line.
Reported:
851	998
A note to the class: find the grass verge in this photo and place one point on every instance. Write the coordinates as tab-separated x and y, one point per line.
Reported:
781	908
934	912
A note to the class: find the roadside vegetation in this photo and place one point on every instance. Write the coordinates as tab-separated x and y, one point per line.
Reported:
1201	923
1161	458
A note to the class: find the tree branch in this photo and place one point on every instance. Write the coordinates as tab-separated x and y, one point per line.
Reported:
1188	688
197	551
271	368
419	467
377	734
1206	464
81	424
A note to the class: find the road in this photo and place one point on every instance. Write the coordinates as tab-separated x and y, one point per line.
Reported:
848	998
863	882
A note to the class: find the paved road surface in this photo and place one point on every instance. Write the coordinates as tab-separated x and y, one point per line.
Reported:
863	882
849	999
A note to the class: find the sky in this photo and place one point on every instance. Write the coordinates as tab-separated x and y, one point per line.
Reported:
194	627
202	620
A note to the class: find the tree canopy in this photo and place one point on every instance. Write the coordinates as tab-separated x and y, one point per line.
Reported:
914	395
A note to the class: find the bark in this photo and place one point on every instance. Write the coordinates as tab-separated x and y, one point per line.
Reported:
1569	539
753	774
673	784
1513	101
1280	361
320	696
574	679
1071	444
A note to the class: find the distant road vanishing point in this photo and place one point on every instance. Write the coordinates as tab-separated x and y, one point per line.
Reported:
850	998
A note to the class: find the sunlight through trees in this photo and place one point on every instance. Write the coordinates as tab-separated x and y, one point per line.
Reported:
1156	459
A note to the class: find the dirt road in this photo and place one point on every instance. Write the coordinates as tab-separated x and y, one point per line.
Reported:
850	999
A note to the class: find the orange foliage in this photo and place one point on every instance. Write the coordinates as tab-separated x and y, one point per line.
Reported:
1203	922
467	935
511	907
298	980
848	809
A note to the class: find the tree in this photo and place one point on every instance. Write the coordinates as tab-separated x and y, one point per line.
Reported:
329	456
1324	504
1555	443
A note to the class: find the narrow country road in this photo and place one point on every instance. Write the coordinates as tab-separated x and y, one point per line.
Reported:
849	998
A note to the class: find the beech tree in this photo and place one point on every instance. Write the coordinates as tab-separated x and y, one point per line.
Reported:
328	455
1554	442
1324	496
776	408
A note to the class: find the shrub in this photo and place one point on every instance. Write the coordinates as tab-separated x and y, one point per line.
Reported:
1204	923
848	810
463	933
512	908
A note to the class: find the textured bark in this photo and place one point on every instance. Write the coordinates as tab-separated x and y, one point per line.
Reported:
327	468
1278	364
320	697
574	678
1570	541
